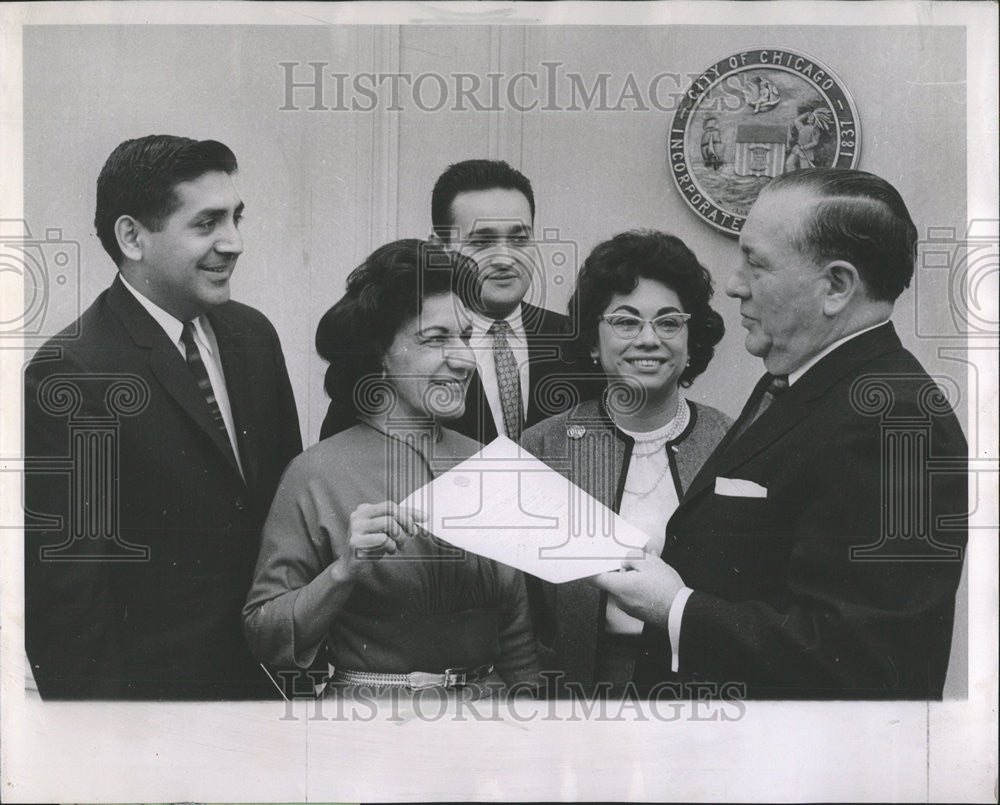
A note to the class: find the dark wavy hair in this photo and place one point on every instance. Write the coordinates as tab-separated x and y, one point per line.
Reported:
615	267
859	218
470	175
383	293
139	178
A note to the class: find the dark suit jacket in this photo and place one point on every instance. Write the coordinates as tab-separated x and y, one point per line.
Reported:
552	385
102	620
780	602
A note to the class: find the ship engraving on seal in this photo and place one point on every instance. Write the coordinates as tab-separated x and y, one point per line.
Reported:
753	116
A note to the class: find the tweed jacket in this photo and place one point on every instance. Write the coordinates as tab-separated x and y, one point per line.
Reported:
585	446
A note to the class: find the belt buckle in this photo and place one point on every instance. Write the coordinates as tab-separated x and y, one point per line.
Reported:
451	678
455	677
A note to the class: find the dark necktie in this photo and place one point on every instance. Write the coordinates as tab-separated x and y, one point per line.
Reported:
200	373
777	387
509	380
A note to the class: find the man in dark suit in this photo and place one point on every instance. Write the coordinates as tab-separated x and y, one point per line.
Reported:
485	210
156	430
818	552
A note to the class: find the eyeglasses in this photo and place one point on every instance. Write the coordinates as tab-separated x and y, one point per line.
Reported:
629	327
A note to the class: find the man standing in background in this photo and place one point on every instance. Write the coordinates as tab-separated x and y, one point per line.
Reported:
142	600
485	210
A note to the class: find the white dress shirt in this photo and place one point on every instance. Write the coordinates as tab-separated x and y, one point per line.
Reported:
482	346
208	347
676	613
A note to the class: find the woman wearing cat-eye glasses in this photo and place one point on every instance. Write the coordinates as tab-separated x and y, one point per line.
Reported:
641	318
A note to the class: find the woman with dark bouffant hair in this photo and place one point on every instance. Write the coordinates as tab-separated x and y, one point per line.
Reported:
642	320
346	576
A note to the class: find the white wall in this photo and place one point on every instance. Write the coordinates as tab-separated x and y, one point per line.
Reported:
323	188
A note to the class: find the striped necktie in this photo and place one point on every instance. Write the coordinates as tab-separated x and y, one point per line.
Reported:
508	379
200	373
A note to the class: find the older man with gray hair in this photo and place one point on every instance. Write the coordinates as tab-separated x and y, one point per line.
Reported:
817	554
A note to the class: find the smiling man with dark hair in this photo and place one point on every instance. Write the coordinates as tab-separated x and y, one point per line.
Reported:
136	567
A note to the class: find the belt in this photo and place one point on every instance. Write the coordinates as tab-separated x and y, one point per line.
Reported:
415	680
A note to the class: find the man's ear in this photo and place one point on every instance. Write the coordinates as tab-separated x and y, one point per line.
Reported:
128	232
844	283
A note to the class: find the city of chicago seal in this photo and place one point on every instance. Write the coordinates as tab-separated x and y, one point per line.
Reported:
750	117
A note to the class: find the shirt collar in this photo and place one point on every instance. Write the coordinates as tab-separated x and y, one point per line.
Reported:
793	376
171	325
481	325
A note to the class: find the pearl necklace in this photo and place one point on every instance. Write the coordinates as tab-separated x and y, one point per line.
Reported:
674	429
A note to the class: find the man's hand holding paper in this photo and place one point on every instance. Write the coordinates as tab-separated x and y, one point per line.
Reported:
645	587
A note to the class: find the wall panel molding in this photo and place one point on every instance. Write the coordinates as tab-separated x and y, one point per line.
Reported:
506	126
378	145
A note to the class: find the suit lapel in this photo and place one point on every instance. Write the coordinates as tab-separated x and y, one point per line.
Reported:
749	409
597	459
707	474
535	376
782	415
792	406
543	350
239	388
596	463
477	420
167	365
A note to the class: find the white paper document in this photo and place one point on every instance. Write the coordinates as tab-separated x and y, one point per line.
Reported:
505	504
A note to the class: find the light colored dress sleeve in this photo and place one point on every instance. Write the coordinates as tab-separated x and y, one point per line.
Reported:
295	548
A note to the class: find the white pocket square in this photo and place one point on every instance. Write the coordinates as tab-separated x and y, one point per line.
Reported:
738	488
